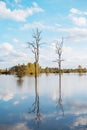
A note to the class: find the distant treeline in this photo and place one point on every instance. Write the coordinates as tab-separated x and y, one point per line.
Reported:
22	70
29	69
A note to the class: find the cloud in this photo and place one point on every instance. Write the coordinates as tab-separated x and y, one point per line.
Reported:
75	34
77	107
19	54
15	40
75	11
8	50
76	37
78	12
72	33
80	21
16	102
10	53
78	17
20	14
80	122
38	25
6	47
6	97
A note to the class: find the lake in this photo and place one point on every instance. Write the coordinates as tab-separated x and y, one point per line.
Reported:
25	105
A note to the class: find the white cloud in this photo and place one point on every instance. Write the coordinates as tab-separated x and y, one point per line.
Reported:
6	47
79	21
15	40
75	11
80	121
18	54
76	37
75	34
16	102
78	17
75	30
18	15
38	25
6	97
10	53
75	108
72	33
9	49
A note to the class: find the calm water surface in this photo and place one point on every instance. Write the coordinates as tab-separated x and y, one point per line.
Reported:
45	106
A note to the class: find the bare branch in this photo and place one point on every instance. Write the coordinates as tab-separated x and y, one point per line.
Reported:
59	46
34	46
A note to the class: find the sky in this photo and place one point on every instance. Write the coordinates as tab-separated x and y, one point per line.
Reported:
55	19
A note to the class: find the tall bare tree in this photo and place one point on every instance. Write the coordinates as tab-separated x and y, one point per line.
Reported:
59	46
34	46
59	59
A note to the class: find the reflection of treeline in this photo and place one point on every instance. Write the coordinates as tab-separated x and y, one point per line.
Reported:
29	69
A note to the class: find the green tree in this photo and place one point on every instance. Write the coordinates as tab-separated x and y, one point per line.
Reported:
30	68
20	71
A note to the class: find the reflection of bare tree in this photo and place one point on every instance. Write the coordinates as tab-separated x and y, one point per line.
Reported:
60	96
59	60
19	81
35	108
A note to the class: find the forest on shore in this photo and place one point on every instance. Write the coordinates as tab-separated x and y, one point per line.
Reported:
29	69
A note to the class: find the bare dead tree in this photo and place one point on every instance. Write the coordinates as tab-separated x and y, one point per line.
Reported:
34	46
59	46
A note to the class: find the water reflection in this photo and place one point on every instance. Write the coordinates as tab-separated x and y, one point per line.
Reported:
35	108
59	102
36	98
82	74
19	81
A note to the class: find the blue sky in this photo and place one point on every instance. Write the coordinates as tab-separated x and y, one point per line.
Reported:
56	19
